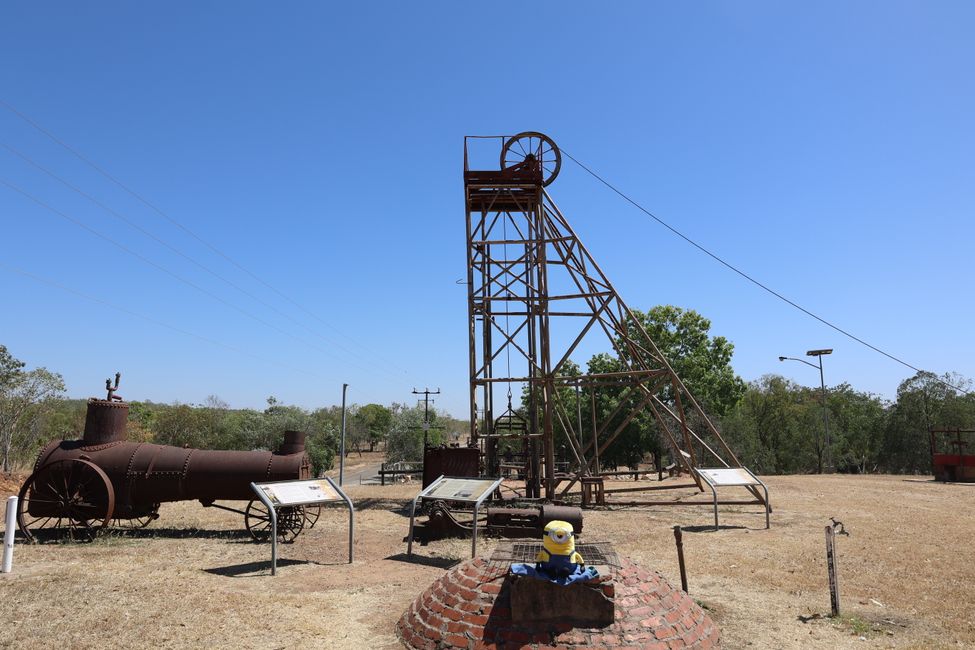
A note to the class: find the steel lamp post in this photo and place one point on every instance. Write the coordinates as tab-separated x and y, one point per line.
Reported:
822	383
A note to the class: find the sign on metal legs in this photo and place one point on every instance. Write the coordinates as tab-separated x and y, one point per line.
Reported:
462	490
292	494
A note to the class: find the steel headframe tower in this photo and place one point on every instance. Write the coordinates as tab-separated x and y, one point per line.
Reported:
534	295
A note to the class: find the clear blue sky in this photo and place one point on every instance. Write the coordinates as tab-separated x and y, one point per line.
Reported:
827	150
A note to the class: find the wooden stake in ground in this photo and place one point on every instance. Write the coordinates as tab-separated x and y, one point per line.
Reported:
678	537
834	581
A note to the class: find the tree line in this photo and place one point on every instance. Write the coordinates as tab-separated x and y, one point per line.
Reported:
774	425
34	411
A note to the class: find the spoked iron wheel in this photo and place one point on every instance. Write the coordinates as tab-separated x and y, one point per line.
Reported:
529	148
312	513
291	521
71	499
134	523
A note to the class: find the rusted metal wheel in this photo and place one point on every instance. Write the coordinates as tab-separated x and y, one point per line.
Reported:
312	513
69	498
131	523
532	147
291	521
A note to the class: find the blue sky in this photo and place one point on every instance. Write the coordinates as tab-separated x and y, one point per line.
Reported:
827	150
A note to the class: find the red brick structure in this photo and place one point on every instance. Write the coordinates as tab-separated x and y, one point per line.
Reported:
470	607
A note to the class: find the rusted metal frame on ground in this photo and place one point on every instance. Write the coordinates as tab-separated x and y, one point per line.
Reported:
656	488
721	502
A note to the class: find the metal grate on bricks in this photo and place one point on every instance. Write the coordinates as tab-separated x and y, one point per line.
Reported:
592	553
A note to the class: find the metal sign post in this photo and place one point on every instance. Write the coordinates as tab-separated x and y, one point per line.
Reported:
292	494
462	490
733	476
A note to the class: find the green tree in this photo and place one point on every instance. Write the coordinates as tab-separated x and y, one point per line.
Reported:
924	401
857	421
702	361
405	439
375	421
25	396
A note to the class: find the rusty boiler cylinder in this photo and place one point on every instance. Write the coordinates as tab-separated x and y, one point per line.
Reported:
105	422
294	443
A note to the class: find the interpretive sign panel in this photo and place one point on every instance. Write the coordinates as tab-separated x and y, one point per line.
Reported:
295	495
299	493
729	476
460	489
734	476
465	490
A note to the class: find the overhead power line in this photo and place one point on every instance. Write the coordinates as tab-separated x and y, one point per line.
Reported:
748	277
176	276
185	229
192	260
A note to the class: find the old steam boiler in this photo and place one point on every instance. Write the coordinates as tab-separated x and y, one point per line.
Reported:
81	486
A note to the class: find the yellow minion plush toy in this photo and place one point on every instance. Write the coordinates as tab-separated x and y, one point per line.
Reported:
558	555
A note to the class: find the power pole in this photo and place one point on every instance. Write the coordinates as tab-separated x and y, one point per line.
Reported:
345	387
426	392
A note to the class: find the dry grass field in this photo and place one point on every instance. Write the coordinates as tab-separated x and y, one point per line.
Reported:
194	579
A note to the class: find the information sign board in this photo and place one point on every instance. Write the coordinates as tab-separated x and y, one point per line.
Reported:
294	494
465	490
300	493
461	489
729	476
717	477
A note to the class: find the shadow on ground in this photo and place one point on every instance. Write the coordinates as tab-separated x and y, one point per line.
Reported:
252	569
710	528
439	562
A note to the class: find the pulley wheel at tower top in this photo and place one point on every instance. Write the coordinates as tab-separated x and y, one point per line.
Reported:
532	148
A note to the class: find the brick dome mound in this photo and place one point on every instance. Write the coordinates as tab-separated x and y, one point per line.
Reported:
470	607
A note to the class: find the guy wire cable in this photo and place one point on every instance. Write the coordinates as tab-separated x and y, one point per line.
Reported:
750	278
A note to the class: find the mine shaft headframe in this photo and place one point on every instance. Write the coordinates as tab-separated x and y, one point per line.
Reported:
529	157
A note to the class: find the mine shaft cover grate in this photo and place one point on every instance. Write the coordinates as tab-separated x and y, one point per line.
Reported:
592	553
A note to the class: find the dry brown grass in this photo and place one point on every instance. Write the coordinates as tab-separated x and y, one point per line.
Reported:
194	579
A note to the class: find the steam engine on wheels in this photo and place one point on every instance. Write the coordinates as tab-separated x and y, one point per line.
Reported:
79	487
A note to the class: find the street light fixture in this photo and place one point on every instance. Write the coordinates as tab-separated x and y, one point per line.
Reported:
822	383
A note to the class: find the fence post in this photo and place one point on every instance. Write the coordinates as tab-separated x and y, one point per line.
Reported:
834	580
678	537
8	536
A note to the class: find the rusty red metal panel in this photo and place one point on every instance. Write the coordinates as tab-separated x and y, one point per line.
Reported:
449	461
